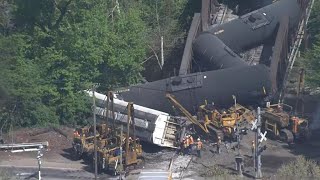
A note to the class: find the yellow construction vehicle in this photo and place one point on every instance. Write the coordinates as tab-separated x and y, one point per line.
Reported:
82	142
120	151
281	125
211	121
83	139
222	124
245	115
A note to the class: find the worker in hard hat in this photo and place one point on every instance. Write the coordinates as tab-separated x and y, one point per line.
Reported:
76	134
219	145
253	148
191	142
199	147
187	144
131	144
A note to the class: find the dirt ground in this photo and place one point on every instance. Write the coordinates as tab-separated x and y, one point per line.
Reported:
57	152
192	167
187	166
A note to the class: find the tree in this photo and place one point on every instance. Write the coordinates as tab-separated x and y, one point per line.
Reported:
314	22
311	57
165	19
23	84
52	50
312	64
63	47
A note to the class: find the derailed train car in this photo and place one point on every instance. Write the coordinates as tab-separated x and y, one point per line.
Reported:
152	126
218	48
226	73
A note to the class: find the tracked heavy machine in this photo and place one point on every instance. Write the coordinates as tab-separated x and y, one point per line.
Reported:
120	151
217	123
83	139
279	122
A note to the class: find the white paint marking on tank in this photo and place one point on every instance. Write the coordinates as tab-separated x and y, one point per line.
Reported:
204	77
205	51
218	32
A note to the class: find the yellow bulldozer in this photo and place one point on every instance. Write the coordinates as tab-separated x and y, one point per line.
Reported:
280	124
213	121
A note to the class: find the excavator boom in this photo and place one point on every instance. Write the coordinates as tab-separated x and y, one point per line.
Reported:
185	112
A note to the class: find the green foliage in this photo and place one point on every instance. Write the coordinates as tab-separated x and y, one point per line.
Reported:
312	56
314	22
301	168
60	48
312	63
22	80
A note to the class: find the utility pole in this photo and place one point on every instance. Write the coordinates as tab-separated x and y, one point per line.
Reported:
39	161
121	158
258	172
107	110
95	134
259	137
162	56
239	158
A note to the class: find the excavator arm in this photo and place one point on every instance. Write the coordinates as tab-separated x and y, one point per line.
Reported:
172	99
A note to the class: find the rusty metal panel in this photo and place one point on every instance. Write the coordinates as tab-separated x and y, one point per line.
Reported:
205	8
279	55
187	53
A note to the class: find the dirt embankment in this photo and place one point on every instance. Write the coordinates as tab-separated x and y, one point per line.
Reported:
57	151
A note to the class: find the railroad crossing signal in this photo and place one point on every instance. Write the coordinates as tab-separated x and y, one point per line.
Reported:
254	124
263	137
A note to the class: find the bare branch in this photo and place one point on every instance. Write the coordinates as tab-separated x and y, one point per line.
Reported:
146	59
155	54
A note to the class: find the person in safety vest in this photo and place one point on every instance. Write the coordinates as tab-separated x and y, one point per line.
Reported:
218	145
186	145
253	148
191	142
199	147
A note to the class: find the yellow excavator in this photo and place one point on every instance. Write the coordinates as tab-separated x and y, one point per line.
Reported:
211	121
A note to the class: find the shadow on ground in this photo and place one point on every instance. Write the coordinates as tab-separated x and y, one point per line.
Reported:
308	149
87	159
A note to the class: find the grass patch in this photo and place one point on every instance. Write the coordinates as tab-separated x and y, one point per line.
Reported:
301	168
